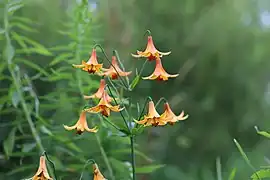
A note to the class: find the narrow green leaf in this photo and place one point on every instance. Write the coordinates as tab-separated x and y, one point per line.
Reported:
61	58
149	168
32	65
263	133
36	47
14	8
263	173
245	157
9	142
17	38
23	27
135	82
22	19
232	175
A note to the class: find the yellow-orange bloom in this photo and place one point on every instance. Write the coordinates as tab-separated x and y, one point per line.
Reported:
99	92
150	52
104	107
159	73
170	117
97	173
152	118
81	125
42	172
114	70
92	65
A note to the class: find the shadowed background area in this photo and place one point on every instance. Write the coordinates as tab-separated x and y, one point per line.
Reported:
220	48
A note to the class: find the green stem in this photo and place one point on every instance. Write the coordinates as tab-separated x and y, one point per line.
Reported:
105	157
147	32
86	163
159	101
133	157
120	111
112	124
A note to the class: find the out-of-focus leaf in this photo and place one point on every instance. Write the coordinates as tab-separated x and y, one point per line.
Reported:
27	147
61	58
17	38
232	175
23	27
9	142
9	52
36	47
149	168
124	151
21	169
263	133
2	30
45	130
15	98
32	65
263	173
14	7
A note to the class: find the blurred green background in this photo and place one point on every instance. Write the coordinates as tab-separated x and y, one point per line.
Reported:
220	48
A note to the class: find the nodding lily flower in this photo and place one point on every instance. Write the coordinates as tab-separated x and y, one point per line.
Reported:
97	173
91	66
104	107
81	125
42	172
170	117
114	70
160	73
150	52
100	91
152	118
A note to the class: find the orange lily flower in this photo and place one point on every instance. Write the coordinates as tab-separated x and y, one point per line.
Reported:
114	70
152	118
81	125
104	107
150	52
42	172
160	73
97	173
170	117
99	92
92	65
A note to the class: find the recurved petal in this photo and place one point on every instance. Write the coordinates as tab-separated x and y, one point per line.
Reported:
152	77
136	55
164	53
78	66
182	117
93	130
88	97
116	108
69	128
141	121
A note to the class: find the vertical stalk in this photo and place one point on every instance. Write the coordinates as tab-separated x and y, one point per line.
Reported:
17	84
133	157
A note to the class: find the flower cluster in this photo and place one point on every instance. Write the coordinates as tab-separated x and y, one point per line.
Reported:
107	102
152	54
155	119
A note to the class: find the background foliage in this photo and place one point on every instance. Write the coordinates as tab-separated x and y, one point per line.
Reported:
219	47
